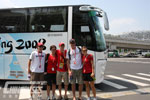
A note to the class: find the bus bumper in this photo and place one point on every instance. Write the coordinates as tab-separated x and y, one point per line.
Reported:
99	70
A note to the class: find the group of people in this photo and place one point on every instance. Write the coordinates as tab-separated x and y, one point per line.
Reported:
74	65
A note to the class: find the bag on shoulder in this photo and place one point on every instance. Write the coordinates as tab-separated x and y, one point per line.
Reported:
46	62
70	54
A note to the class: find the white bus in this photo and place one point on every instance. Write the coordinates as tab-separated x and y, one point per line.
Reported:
22	28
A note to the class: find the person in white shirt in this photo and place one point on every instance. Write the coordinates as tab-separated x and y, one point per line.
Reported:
36	68
74	64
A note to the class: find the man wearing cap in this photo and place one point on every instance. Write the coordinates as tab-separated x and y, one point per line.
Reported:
62	70
74	64
36	68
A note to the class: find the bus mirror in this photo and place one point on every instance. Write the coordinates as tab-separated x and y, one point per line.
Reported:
101	13
106	23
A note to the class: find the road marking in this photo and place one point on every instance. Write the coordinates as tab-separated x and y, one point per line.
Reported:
114	84
24	93
137	77
98	90
127	61
144	74
124	93
126	80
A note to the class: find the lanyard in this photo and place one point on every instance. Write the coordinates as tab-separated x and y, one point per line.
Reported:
53	58
40	59
74	54
85	59
62	56
84	63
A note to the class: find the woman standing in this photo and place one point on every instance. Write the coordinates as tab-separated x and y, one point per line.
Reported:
88	72
51	72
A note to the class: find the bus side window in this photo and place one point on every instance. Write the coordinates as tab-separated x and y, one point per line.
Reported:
13	21
51	19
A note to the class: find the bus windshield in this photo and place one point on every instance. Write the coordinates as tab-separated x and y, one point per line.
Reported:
87	30
100	41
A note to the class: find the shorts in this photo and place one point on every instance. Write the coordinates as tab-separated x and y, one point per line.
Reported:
61	75
37	76
87	77
51	79
76	75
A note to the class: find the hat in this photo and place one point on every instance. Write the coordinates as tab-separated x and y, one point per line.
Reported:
40	44
61	43
72	41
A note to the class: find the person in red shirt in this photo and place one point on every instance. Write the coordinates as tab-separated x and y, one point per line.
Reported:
51	72
62	70
88	72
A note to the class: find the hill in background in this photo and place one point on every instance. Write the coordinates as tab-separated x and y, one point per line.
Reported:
133	36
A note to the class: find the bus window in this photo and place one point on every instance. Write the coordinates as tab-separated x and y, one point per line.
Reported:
12	21
82	31
52	19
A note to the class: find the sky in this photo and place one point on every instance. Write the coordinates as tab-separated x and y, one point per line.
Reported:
124	15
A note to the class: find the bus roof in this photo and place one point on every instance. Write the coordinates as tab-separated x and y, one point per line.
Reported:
43	6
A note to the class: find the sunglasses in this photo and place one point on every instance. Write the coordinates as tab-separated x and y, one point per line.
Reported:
53	49
40	46
84	50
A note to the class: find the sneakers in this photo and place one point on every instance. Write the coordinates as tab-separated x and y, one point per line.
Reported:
39	97
88	98
74	98
31	98
80	98
53	97
60	97
48	98
65	97
94	98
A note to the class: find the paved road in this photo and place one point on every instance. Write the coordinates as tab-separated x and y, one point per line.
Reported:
125	79
128	79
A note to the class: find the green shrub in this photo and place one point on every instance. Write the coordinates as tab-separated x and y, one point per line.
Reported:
147	56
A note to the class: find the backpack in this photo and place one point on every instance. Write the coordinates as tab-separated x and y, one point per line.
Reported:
65	60
70	54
